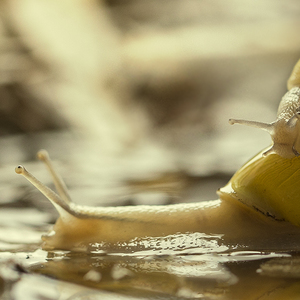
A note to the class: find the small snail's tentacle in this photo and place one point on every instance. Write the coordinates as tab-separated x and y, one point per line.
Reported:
269	151
294	80
292	122
264	126
60	185
295	151
61	206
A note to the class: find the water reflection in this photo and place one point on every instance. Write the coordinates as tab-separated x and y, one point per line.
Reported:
204	276
171	275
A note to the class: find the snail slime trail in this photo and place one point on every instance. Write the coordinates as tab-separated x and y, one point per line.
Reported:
258	209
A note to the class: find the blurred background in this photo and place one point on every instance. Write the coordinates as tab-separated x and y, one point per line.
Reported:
132	98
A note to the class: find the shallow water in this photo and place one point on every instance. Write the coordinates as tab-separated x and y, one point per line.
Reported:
225	275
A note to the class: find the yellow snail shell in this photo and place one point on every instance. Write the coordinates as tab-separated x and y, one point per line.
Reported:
261	201
269	184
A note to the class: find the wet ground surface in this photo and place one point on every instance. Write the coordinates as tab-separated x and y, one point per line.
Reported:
138	96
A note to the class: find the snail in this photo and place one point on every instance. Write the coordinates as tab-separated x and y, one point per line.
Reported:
257	209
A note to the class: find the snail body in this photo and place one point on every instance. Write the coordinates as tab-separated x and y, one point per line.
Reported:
260	202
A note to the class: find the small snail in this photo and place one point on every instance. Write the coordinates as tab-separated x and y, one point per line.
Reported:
259	208
278	166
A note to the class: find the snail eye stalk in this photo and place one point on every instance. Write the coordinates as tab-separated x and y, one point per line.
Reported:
264	126
60	185
47	192
61	201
